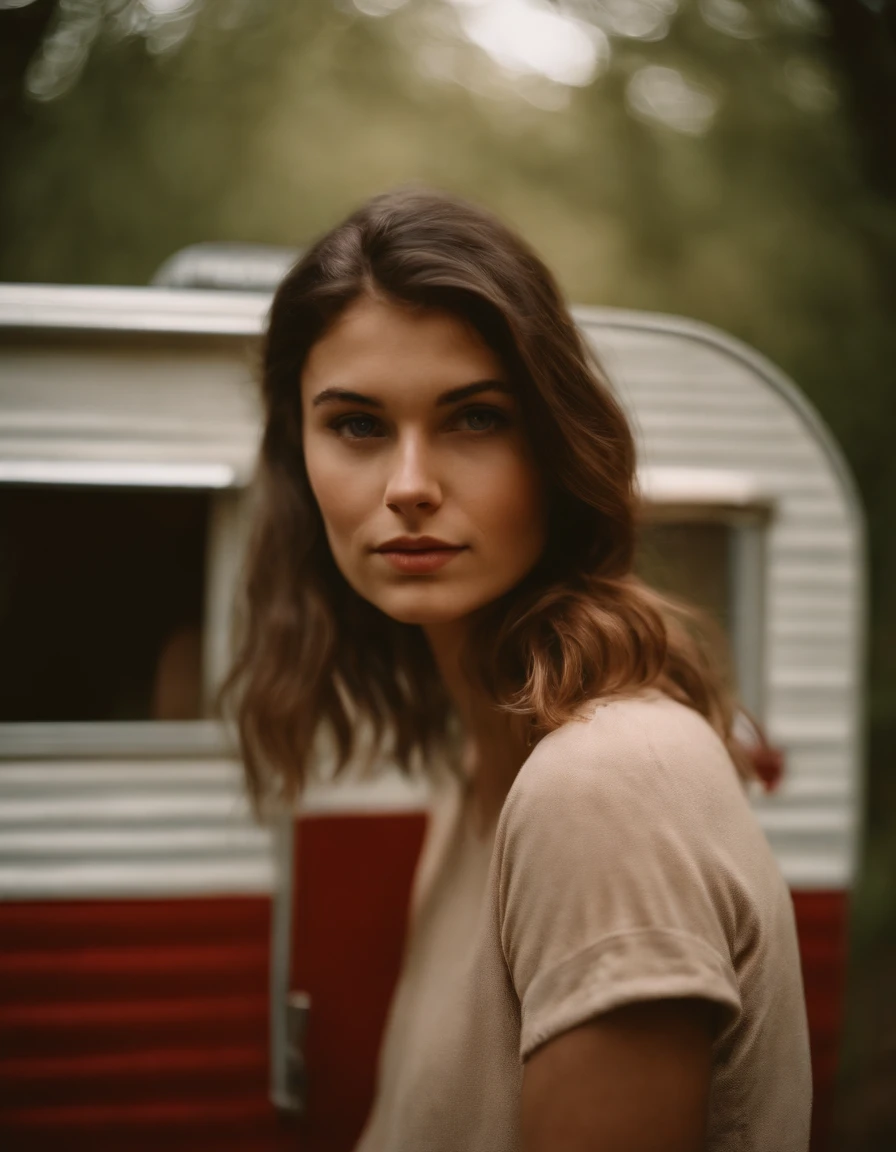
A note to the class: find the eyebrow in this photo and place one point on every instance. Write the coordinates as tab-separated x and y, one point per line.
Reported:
346	396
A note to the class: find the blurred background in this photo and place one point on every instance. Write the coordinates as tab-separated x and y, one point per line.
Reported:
725	160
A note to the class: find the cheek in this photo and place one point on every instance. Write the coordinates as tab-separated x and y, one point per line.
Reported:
344	495
509	507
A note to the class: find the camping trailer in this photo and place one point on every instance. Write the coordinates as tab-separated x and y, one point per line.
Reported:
174	974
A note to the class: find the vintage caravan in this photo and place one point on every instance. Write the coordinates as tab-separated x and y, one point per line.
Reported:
174	975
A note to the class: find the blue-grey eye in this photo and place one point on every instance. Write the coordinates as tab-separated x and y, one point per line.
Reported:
358	427
484	419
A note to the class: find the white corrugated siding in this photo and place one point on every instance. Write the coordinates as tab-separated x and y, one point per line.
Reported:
699	399
157	405
138	826
128	827
117	825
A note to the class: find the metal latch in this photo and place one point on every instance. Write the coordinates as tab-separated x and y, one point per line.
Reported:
295	1097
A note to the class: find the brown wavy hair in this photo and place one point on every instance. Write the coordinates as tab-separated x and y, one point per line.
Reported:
314	656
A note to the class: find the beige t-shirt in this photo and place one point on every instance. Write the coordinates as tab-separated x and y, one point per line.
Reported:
626	865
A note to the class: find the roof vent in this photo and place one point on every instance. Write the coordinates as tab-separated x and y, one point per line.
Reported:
228	266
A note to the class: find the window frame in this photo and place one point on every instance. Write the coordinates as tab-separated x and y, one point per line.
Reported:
108	739
748	522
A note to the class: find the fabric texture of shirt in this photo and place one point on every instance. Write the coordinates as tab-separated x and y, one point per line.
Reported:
626	865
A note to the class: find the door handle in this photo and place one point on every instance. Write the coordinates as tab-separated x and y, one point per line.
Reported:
295	1099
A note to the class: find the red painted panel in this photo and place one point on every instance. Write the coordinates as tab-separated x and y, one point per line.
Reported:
822	923
136	1024
352	884
144	1024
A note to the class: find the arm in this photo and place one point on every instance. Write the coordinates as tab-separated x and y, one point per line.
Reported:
635	1079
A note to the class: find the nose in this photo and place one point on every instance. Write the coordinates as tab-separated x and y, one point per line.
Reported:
412	485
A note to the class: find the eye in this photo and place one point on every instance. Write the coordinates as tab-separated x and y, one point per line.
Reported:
359	426
481	419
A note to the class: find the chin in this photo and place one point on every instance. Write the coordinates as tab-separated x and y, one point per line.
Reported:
426	606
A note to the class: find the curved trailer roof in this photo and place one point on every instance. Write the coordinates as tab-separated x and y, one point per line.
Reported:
717	424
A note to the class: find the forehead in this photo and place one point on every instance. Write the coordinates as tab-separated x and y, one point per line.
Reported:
378	346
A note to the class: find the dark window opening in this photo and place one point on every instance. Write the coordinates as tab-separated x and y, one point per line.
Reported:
101	604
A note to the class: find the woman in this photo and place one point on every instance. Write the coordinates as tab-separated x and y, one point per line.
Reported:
602	951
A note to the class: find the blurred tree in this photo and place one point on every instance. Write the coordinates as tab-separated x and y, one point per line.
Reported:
864	38
22	29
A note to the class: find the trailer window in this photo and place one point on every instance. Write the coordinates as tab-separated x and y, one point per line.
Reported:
101	603
715	559
691	561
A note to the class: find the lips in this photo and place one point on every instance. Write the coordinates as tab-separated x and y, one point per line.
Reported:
418	544
419	555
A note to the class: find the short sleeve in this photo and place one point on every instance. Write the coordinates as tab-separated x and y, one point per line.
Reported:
617	858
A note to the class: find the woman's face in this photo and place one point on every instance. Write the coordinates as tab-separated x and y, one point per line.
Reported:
417	456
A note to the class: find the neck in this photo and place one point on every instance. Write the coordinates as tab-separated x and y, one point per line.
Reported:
494	747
